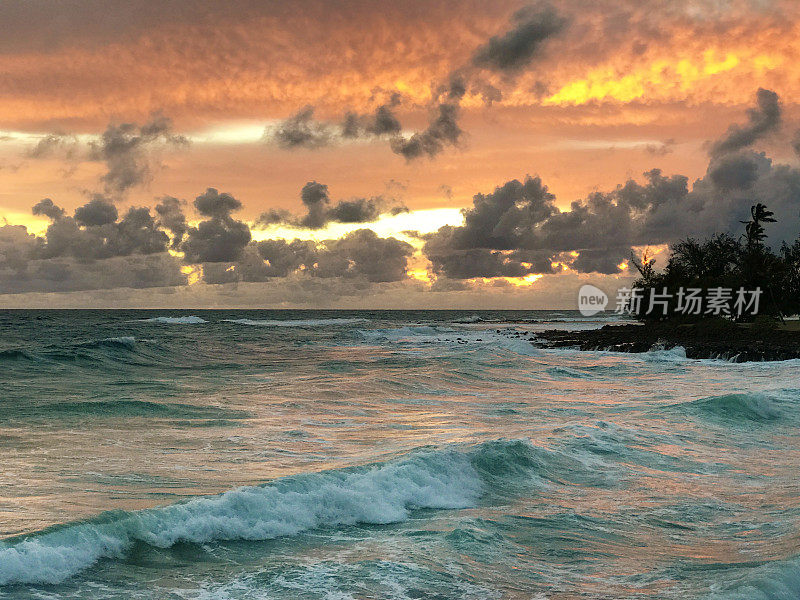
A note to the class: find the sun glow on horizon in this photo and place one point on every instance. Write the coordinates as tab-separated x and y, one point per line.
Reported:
402	226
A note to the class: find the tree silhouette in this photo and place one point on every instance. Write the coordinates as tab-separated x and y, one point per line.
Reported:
754	230
726	262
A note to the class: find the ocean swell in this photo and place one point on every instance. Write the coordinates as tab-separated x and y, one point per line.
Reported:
733	407
106	347
127	409
296	322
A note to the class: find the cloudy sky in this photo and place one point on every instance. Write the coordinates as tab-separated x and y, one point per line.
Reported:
334	153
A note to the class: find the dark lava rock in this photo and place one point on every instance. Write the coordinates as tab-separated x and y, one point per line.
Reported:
728	341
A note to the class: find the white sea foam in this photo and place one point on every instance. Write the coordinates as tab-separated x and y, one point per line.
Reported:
379	494
296	322
659	354
470	319
389	579
192	320
126	340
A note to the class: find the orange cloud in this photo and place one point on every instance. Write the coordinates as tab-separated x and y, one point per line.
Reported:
267	63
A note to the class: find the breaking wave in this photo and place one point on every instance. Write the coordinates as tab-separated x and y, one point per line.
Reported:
470	319
660	354
382	493
190	320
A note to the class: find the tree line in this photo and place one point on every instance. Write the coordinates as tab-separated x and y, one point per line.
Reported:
725	262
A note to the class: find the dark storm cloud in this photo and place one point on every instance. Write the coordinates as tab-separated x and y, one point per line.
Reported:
796	143
215	205
95	232
138	233
500	219
220	238
733	172
320	211
360	210
442	131
513	231
217	273
315	197
516	48
507	53
96	248
47	208
216	240
382	123
494	240
361	255
605	261
129	152
301	130
280	258
97	211
273	216
502	228
762	120
67	274
479	262
124	150
16	247
91	250
171	217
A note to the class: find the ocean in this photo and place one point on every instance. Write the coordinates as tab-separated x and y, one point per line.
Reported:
385	454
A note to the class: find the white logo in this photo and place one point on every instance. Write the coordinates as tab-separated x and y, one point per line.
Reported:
591	300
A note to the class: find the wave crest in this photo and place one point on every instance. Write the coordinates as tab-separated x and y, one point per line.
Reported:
190	320
91	349
379	494
296	322
734	407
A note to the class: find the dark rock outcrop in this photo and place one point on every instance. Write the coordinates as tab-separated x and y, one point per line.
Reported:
728	341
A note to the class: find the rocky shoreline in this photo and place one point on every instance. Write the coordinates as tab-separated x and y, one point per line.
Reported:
702	340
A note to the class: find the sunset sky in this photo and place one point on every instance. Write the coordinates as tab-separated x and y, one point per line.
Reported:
362	154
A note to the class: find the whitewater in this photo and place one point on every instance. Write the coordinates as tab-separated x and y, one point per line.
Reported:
385	454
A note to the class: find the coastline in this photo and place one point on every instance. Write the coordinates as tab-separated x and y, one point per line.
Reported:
727	341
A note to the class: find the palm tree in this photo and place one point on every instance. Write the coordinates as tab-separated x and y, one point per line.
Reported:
759	264
754	230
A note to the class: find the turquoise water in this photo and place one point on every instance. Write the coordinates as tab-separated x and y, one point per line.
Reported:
369	454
